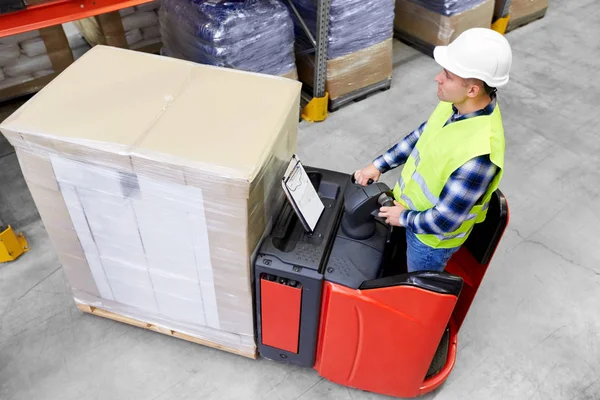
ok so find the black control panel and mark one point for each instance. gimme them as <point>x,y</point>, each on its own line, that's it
<point>346,247</point>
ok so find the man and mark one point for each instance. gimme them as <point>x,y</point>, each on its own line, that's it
<point>454,161</point>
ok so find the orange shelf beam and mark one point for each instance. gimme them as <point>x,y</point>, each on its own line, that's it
<point>58,12</point>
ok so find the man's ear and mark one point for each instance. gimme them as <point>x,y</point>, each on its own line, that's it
<point>474,90</point>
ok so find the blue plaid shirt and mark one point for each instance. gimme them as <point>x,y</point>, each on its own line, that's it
<point>460,193</point>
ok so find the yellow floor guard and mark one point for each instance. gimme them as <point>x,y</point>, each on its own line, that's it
<point>316,109</point>
<point>501,24</point>
<point>12,245</point>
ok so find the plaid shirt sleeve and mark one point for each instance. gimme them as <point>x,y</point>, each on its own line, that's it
<point>398,154</point>
<point>462,191</point>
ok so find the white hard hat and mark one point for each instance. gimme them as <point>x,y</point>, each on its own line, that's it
<point>477,53</point>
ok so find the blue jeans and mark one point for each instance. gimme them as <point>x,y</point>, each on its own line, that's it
<point>421,257</point>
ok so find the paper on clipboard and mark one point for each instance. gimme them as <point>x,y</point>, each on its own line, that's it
<point>302,194</point>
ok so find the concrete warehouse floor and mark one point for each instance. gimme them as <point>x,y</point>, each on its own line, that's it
<point>532,333</point>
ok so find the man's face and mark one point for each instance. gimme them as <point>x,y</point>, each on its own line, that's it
<point>452,88</point>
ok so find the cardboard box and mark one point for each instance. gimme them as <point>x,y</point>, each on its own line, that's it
<point>156,181</point>
<point>416,22</point>
<point>523,12</point>
<point>351,72</point>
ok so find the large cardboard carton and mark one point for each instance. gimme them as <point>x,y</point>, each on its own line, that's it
<point>417,23</point>
<point>155,179</point>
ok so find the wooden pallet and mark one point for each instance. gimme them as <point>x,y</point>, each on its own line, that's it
<point>525,20</point>
<point>416,43</point>
<point>359,94</point>
<point>353,97</point>
<point>169,332</point>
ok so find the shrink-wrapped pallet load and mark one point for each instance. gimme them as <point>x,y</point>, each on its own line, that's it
<point>359,53</point>
<point>430,23</point>
<point>155,179</point>
<point>252,35</point>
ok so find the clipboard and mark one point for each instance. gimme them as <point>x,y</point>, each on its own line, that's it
<point>302,195</point>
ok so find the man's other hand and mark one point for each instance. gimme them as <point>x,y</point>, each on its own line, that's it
<point>362,176</point>
<point>392,214</point>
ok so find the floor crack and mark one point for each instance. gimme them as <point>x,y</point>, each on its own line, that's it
<point>37,284</point>
<point>572,262</point>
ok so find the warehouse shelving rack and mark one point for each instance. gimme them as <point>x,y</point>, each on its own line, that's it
<point>316,97</point>
<point>501,16</point>
<point>18,17</point>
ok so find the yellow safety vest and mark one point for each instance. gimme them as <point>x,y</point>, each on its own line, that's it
<point>439,152</point>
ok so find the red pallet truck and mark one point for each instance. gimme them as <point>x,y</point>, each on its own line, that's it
<point>337,298</point>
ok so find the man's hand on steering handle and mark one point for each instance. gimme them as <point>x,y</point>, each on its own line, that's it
<point>362,176</point>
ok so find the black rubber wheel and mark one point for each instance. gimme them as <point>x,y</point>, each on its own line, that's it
<point>441,355</point>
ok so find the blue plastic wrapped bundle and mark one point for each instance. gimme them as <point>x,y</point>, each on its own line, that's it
<point>353,24</point>
<point>448,7</point>
<point>250,35</point>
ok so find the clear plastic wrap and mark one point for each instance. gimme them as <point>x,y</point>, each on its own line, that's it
<point>133,36</point>
<point>151,6</point>
<point>251,35</point>
<point>125,28</point>
<point>9,53</point>
<point>27,65</point>
<point>139,20</point>
<point>29,60</point>
<point>123,12</point>
<point>20,37</point>
<point>353,24</point>
<point>359,44</point>
<point>152,32</point>
<point>420,24</point>
<point>154,217</point>
<point>448,7</point>
<point>44,72</point>
<point>33,47</point>
<point>36,46</point>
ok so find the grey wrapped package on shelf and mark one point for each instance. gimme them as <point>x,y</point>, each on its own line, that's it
<point>359,42</point>
<point>353,24</point>
<point>252,35</point>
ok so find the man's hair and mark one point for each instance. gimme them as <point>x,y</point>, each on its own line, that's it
<point>486,88</point>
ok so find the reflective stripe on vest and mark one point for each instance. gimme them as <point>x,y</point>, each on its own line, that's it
<point>442,149</point>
